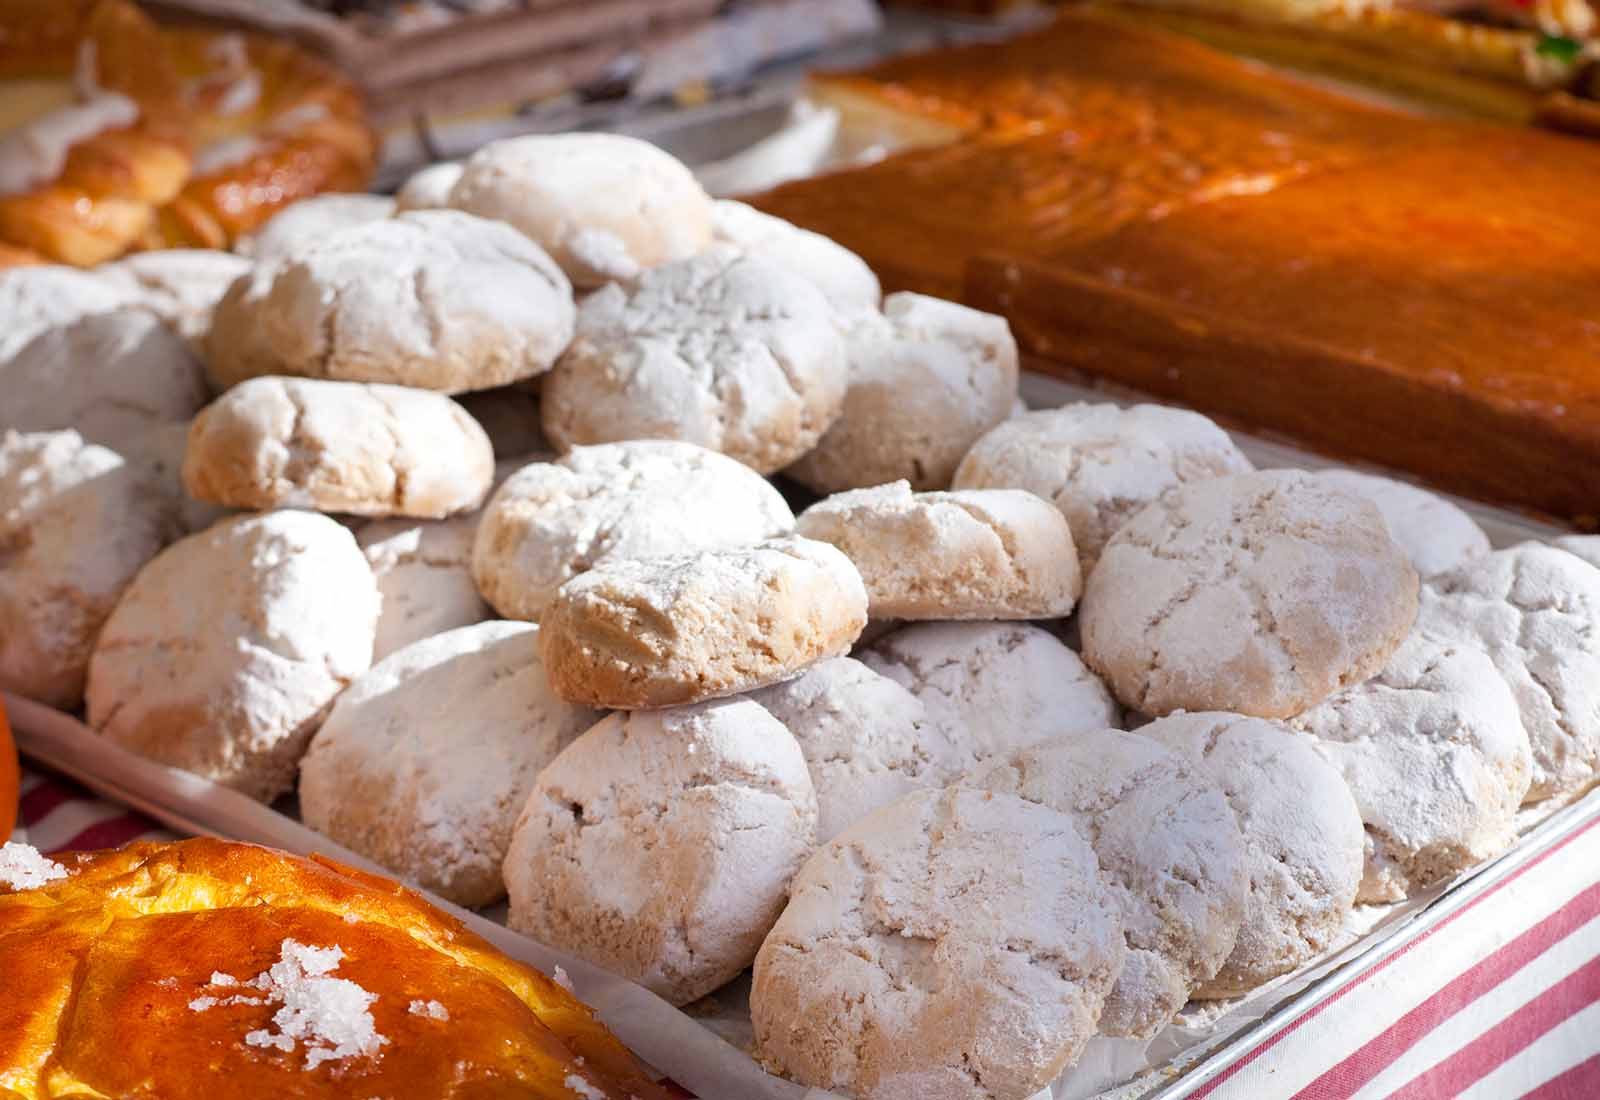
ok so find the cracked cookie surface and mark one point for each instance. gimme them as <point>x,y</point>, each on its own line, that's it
<point>842,276</point>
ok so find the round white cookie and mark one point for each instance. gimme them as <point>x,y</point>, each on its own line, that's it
<point>1536,611</point>
<point>111,377</point>
<point>605,206</point>
<point>424,574</point>
<point>354,447</point>
<point>1434,751</point>
<point>1435,534</point>
<point>76,524</point>
<point>975,554</point>
<point>41,296</point>
<point>734,354</point>
<point>927,379</point>
<point>996,687</point>
<point>1168,846</point>
<point>159,452</point>
<point>509,415</point>
<point>428,188</point>
<point>1586,547</point>
<point>842,276</point>
<point>955,944</point>
<point>1261,593</point>
<point>660,845</point>
<point>182,285</point>
<point>551,521</point>
<point>312,219</point>
<point>656,632</point>
<point>427,758</point>
<point>1100,463</point>
<point>223,655</point>
<point>1302,836</point>
<point>434,299</point>
<point>866,739</point>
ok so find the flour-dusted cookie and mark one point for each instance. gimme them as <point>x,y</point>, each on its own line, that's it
<point>656,632</point>
<point>434,299</point>
<point>552,520</point>
<point>428,188</point>
<point>974,554</point>
<point>996,687</point>
<point>605,206</point>
<point>223,655</point>
<point>366,449</point>
<point>1168,846</point>
<point>735,354</point>
<point>1100,463</point>
<point>1435,534</point>
<point>111,377</point>
<point>311,219</point>
<point>1536,611</point>
<point>955,944</point>
<point>159,453</point>
<point>509,415</point>
<point>39,297</point>
<point>1302,835</point>
<point>1260,593</point>
<point>427,758</point>
<point>1434,751</point>
<point>76,524</point>
<point>660,844</point>
<point>1586,547</point>
<point>927,379</point>
<point>182,285</point>
<point>866,739</point>
<point>842,276</point>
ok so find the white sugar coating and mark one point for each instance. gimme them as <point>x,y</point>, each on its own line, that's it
<point>1435,754</point>
<point>660,844</point>
<point>841,275</point>
<point>111,377</point>
<point>24,867</point>
<point>561,978</point>
<point>605,206</point>
<point>425,760</point>
<point>1536,611</point>
<point>1303,840</point>
<point>1169,849</point>
<point>583,1088</point>
<point>1100,463</point>
<point>927,379</point>
<point>312,219</point>
<point>955,944</point>
<point>866,739</point>
<point>159,452</point>
<point>995,687</point>
<point>1435,534</point>
<point>182,285</point>
<point>733,353</point>
<point>77,523</point>
<point>970,554</point>
<point>553,520</point>
<point>330,1016</point>
<point>435,299</point>
<point>1586,547</point>
<point>1261,593</point>
<point>37,297</point>
<point>223,655</point>
<point>428,188</point>
<point>433,1010</point>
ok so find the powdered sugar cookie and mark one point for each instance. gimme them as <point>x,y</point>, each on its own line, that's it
<point>424,574</point>
<point>39,297</point>
<point>1434,751</point>
<point>426,759</point>
<point>435,299</point>
<point>1168,846</point>
<point>551,521</point>
<point>1260,593</point>
<point>866,739</point>
<point>1302,836</point>
<point>159,453</point>
<point>365,449</point>
<point>605,206</point>
<point>223,655</point>
<point>1586,547</point>
<point>428,188</point>
<point>76,524</point>
<point>182,285</point>
<point>312,219</point>
<point>656,632</point>
<point>842,276</point>
<point>111,377</point>
<point>1435,534</point>
<point>927,378</point>
<point>997,687</point>
<point>734,354</point>
<point>1536,611</point>
<point>1099,463</point>
<point>955,944</point>
<point>660,845</point>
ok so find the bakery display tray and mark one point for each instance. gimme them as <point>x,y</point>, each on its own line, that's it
<point>693,1048</point>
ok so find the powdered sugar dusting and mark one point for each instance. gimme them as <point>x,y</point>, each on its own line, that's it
<point>561,978</point>
<point>433,1010</point>
<point>22,867</point>
<point>583,1088</point>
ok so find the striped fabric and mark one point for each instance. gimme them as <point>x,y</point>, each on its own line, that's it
<point>57,815</point>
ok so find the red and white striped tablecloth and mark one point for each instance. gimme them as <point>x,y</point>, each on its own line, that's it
<point>58,815</point>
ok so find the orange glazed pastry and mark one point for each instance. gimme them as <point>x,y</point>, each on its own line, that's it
<point>203,968</point>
